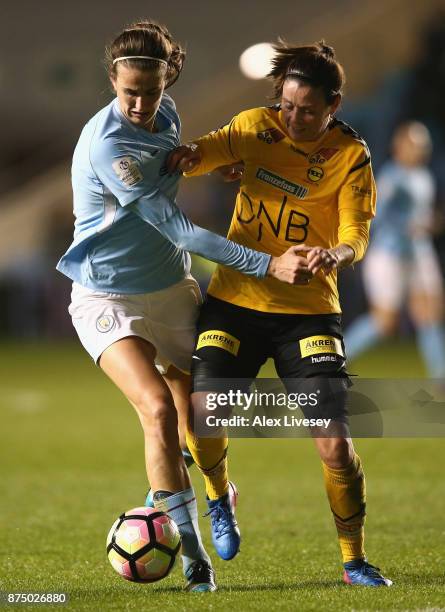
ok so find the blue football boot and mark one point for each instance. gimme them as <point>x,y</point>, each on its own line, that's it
<point>362,573</point>
<point>226,536</point>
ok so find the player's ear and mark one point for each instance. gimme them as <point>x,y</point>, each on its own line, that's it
<point>336,103</point>
<point>113,83</point>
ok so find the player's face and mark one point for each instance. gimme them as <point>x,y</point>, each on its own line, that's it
<point>304,110</point>
<point>412,144</point>
<point>139,93</point>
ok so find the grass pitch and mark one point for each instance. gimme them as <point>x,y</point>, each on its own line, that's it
<point>71,459</point>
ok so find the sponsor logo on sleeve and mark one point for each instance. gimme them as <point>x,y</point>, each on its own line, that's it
<point>363,192</point>
<point>128,171</point>
<point>299,191</point>
<point>270,136</point>
<point>219,339</point>
<point>314,345</point>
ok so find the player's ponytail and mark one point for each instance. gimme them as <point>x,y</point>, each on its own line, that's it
<point>146,45</point>
<point>314,64</point>
<point>175,63</point>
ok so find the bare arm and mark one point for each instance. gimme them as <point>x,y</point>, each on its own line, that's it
<point>328,260</point>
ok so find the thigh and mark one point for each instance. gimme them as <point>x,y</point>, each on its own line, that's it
<point>309,357</point>
<point>230,344</point>
<point>129,363</point>
<point>308,345</point>
<point>102,319</point>
<point>173,314</point>
<point>385,278</point>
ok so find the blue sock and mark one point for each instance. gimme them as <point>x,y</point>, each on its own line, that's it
<point>431,342</point>
<point>361,335</point>
<point>183,509</point>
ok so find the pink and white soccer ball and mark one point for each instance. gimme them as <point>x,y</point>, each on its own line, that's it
<point>143,544</point>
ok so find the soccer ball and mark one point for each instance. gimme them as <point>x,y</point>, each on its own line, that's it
<point>142,545</point>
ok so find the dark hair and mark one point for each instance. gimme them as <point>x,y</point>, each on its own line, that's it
<point>313,64</point>
<point>146,37</point>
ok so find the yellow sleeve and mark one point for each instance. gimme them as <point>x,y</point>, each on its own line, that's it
<point>219,148</point>
<point>358,192</point>
<point>353,230</point>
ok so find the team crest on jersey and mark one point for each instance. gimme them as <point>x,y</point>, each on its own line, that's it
<point>322,155</point>
<point>128,170</point>
<point>270,136</point>
<point>315,174</point>
<point>105,323</point>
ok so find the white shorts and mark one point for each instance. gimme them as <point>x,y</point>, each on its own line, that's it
<point>389,279</point>
<point>166,319</point>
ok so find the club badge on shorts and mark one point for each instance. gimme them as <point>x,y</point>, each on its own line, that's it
<point>105,323</point>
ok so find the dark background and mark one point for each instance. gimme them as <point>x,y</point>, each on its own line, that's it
<point>53,80</point>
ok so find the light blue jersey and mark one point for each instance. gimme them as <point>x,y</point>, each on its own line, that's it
<point>404,208</point>
<point>130,237</point>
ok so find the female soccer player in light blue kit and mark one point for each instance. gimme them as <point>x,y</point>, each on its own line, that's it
<point>134,303</point>
<point>401,262</point>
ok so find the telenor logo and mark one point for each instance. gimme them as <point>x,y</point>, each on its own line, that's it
<point>219,339</point>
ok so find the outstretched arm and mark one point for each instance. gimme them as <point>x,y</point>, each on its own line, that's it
<point>173,224</point>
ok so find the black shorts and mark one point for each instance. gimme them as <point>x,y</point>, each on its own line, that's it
<point>234,342</point>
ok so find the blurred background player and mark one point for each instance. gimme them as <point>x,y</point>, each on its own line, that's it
<point>402,267</point>
<point>307,180</point>
<point>134,304</point>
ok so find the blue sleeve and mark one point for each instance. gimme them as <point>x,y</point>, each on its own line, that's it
<point>119,166</point>
<point>173,224</point>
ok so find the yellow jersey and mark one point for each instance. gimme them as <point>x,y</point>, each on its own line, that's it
<point>319,193</point>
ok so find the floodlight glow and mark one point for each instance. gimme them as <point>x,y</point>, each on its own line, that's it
<point>255,61</point>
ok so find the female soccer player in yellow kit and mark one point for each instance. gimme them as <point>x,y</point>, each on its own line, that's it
<point>307,181</point>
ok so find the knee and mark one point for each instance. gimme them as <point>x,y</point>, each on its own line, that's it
<point>203,403</point>
<point>202,406</point>
<point>386,322</point>
<point>336,453</point>
<point>156,413</point>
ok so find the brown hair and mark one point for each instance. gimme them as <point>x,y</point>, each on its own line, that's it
<point>313,64</point>
<point>146,37</point>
